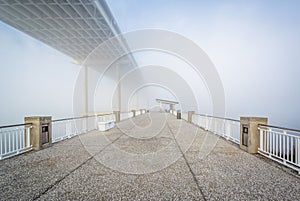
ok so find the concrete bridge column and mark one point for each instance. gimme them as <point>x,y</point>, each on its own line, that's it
<point>171,107</point>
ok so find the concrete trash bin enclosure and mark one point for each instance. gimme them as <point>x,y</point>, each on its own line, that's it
<point>249,133</point>
<point>41,131</point>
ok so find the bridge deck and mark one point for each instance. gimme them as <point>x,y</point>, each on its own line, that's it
<point>145,159</point>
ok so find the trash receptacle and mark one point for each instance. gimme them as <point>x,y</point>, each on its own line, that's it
<point>45,133</point>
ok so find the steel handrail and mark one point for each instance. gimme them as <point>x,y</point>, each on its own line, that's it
<point>73,118</point>
<point>224,118</point>
<point>16,125</point>
<point>277,127</point>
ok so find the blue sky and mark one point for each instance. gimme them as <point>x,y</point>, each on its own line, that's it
<point>254,45</point>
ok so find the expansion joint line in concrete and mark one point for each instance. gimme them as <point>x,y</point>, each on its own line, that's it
<point>80,165</point>
<point>190,169</point>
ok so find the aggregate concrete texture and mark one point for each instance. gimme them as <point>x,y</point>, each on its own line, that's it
<point>149,157</point>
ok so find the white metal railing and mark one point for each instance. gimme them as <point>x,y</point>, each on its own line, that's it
<point>225,127</point>
<point>281,145</point>
<point>137,113</point>
<point>14,140</point>
<point>175,112</point>
<point>67,128</point>
<point>126,115</point>
<point>184,116</point>
<point>106,118</point>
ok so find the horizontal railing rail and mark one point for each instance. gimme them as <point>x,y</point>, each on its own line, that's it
<point>14,140</point>
<point>73,118</point>
<point>15,125</point>
<point>280,144</point>
<point>69,127</point>
<point>229,119</point>
<point>225,127</point>
<point>277,127</point>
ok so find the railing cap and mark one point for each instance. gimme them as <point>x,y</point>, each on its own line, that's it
<point>278,127</point>
<point>15,125</point>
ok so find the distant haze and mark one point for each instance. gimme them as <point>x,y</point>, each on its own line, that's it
<point>254,45</point>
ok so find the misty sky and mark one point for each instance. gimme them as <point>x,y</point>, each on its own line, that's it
<point>254,45</point>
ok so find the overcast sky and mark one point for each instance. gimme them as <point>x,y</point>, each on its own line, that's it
<point>254,45</point>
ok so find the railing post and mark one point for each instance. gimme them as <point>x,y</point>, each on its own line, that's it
<point>287,146</point>
<point>228,129</point>
<point>249,133</point>
<point>261,139</point>
<point>84,124</point>
<point>1,146</point>
<point>206,122</point>
<point>68,128</point>
<point>190,116</point>
<point>117,115</point>
<point>27,137</point>
<point>298,151</point>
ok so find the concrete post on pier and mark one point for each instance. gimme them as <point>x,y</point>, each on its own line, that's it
<point>117,115</point>
<point>41,131</point>
<point>141,111</point>
<point>171,106</point>
<point>249,133</point>
<point>190,116</point>
<point>133,111</point>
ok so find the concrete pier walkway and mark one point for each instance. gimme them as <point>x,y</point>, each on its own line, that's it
<point>149,157</point>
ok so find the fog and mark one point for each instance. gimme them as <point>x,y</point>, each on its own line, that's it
<point>254,46</point>
<point>35,79</point>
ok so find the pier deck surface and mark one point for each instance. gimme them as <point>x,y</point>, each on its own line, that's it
<point>149,157</point>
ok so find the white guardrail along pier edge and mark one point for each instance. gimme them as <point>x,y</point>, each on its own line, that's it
<point>67,128</point>
<point>281,145</point>
<point>277,143</point>
<point>227,128</point>
<point>14,140</point>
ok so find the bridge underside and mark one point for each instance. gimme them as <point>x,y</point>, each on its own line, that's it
<point>75,28</point>
<point>145,159</point>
